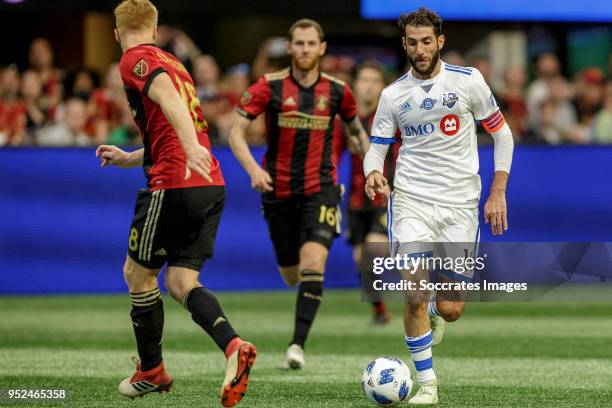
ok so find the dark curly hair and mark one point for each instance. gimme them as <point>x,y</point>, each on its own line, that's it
<point>423,17</point>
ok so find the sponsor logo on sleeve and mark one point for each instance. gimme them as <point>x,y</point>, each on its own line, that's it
<point>141,69</point>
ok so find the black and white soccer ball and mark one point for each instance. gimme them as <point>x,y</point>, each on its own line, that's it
<point>386,381</point>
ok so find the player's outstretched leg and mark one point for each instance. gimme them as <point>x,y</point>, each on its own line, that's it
<point>207,313</point>
<point>418,340</point>
<point>313,256</point>
<point>148,321</point>
<point>309,298</point>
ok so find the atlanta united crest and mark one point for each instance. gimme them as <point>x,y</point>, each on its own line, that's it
<point>321,103</point>
<point>246,98</point>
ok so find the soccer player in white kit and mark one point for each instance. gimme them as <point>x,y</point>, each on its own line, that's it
<point>436,193</point>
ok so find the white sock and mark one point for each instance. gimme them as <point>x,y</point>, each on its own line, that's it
<point>420,349</point>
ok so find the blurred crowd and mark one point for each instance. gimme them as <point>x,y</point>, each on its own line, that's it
<point>44,105</point>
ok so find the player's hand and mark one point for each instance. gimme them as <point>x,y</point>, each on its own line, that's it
<point>386,192</point>
<point>109,154</point>
<point>261,180</point>
<point>198,160</point>
<point>496,213</point>
<point>375,183</point>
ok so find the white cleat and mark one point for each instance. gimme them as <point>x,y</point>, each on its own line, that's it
<point>426,395</point>
<point>437,324</point>
<point>295,357</point>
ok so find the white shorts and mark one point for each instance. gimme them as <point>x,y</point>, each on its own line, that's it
<point>419,227</point>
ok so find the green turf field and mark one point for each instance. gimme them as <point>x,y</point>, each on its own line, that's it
<point>496,355</point>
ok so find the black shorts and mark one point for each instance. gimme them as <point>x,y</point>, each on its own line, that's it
<point>177,226</point>
<point>363,222</point>
<point>306,218</point>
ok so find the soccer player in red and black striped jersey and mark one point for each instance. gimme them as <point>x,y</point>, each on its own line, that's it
<point>298,178</point>
<point>367,219</point>
<point>176,217</point>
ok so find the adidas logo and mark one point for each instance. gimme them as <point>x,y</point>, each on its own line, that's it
<point>311,296</point>
<point>405,107</point>
<point>219,320</point>
<point>142,386</point>
<point>289,101</point>
<point>161,252</point>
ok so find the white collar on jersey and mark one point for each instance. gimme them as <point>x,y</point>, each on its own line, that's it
<point>422,81</point>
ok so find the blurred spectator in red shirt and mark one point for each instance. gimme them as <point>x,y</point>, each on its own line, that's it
<point>107,110</point>
<point>41,61</point>
<point>69,132</point>
<point>589,94</point>
<point>339,66</point>
<point>512,101</point>
<point>12,109</point>
<point>233,84</point>
<point>31,93</point>
<point>601,129</point>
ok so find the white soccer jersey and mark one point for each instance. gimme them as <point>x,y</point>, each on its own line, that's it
<point>438,159</point>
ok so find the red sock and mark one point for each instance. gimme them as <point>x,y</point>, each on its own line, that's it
<point>380,307</point>
<point>232,346</point>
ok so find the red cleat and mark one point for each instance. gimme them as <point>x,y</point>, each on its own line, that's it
<point>239,365</point>
<point>382,316</point>
<point>143,382</point>
<point>381,319</point>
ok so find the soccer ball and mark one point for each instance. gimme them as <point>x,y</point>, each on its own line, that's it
<point>386,381</point>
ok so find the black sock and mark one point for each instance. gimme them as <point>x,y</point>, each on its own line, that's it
<point>148,322</point>
<point>309,298</point>
<point>206,312</point>
<point>369,251</point>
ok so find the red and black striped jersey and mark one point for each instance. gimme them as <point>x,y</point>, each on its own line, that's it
<point>299,126</point>
<point>164,159</point>
<point>358,200</point>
